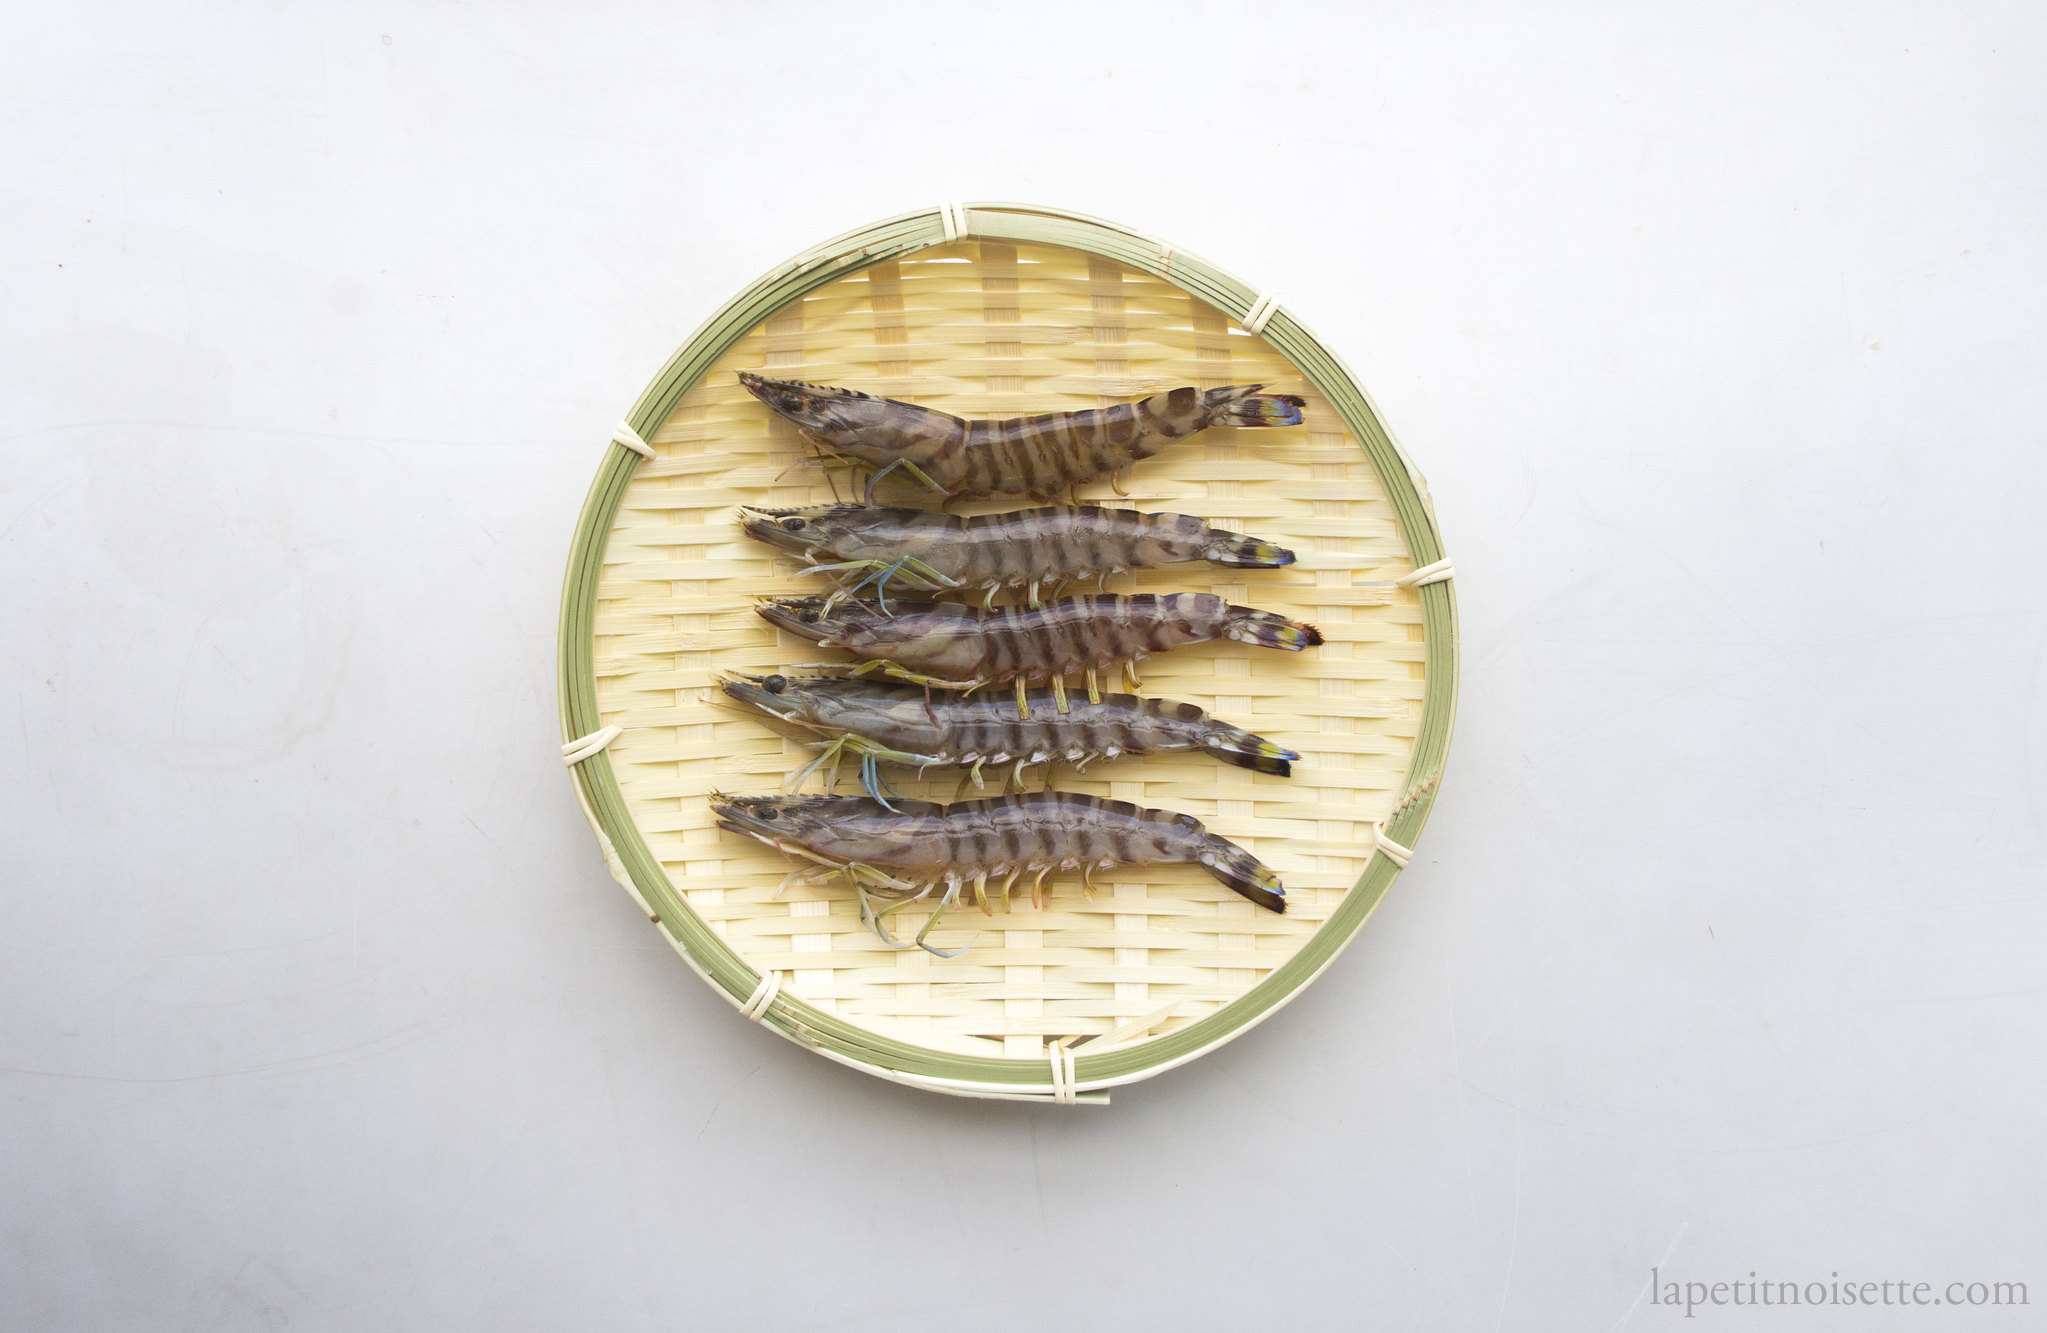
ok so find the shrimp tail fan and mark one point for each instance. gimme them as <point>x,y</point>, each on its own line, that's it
<point>1243,405</point>
<point>1243,872</point>
<point>1234,745</point>
<point>1266,630</point>
<point>1247,552</point>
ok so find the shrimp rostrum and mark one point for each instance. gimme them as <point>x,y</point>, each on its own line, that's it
<point>902,855</point>
<point>1041,455</point>
<point>925,551</point>
<point>895,724</point>
<point>950,646</point>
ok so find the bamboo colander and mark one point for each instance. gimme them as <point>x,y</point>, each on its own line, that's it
<point>1002,310</point>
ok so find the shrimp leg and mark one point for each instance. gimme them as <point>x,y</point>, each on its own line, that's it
<point>909,467</point>
<point>951,895</point>
<point>837,459</point>
<point>918,569</point>
<point>877,921</point>
<point>832,751</point>
<point>888,668</point>
<point>880,581</point>
<point>1037,885</point>
<point>875,785</point>
<point>923,569</point>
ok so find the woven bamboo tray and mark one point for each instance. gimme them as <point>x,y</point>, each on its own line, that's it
<point>997,310</point>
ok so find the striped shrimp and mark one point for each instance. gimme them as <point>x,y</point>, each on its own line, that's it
<point>905,852</point>
<point>950,646</point>
<point>1041,455</point>
<point>933,552</point>
<point>890,722</point>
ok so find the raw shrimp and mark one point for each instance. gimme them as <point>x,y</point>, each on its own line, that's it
<point>925,551</point>
<point>905,852</point>
<point>890,722</point>
<point>947,645</point>
<point>1041,455</point>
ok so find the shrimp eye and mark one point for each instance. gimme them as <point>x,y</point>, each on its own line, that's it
<point>775,684</point>
<point>792,525</point>
<point>765,812</point>
<point>807,617</point>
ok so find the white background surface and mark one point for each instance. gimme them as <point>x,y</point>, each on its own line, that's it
<point>1717,331</point>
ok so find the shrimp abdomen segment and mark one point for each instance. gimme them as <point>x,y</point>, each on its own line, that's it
<point>1057,449</point>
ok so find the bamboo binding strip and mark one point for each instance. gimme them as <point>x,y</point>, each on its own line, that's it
<point>1260,313</point>
<point>576,751</point>
<point>1037,311</point>
<point>756,1006</point>
<point>624,434</point>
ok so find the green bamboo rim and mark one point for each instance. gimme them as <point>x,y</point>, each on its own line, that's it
<point>598,788</point>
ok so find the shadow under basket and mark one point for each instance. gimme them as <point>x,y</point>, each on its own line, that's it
<point>993,311</point>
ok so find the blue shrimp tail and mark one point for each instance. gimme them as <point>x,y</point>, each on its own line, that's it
<point>1234,745</point>
<point>1266,630</point>
<point>1243,872</point>
<point>1242,552</point>
<point>1243,405</point>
